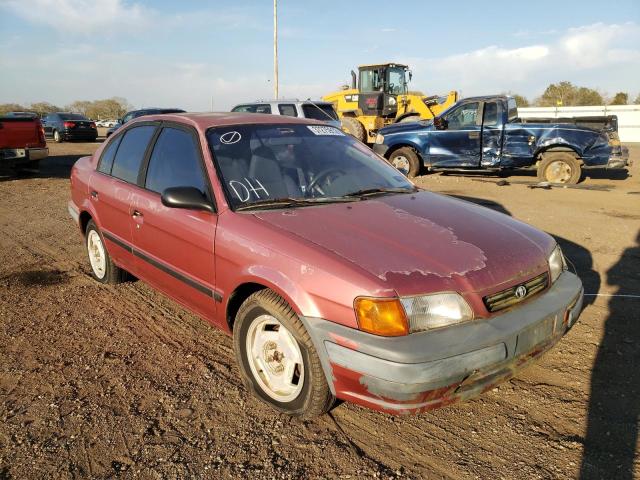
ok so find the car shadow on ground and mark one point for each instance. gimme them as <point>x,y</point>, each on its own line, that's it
<point>530,176</point>
<point>614,402</point>
<point>54,166</point>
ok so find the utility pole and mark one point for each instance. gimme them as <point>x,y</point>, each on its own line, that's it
<point>275,48</point>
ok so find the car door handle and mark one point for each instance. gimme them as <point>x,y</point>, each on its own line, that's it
<point>474,134</point>
<point>136,214</point>
<point>94,194</point>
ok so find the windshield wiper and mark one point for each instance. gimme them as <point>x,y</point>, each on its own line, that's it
<point>288,202</point>
<point>379,191</point>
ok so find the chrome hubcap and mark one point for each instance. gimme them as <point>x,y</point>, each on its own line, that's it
<point>275,359</point>
<point>97,256</point>
<point>401,163</point>
<point>558,172</point>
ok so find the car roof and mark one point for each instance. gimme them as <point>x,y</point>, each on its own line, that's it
<point>289,101</point>
<point>204,120</point>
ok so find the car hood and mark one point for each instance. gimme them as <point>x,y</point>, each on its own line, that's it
<point>422,242</point>
<point>407,127</point>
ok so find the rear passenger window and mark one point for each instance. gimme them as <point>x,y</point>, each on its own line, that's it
<point>106,160</point>
<point>175,162</point>
<point>131,152</point>
<point>287,109</point>
<point>263,109</point>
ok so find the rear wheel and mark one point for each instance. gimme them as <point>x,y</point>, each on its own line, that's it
<point>406,160</point>
<point>102,267</point>
<point>559,167</point>
<point>354,128</point>
<point>57,137</point>
<point>410,118</point>
<point>277,359</point>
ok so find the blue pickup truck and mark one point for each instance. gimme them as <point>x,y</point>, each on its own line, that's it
<point>485,134</point>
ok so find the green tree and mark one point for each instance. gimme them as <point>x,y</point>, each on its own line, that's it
<point>521,101</point>
<point>43,108</point>
<point>79,106</point>
<point>620,98</point>
<point>11,107</point>
<point>567,94</point>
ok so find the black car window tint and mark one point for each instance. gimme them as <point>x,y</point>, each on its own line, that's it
<point>106,160</point>
<point>175,162</point>
<point>131,152</point>
<point>288,109</point>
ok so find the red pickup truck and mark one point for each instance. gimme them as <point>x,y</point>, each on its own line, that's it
<point>22,141</point>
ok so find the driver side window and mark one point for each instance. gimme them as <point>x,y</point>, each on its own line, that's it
<point>464,116</point>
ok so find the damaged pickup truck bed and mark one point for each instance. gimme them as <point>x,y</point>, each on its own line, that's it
<point>485,133</point>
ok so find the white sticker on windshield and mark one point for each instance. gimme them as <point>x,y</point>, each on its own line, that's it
<point>318,130</point>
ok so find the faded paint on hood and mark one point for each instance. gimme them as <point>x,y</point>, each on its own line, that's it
<point>417,243</point>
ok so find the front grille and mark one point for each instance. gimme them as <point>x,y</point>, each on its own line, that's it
<point>507,298</point>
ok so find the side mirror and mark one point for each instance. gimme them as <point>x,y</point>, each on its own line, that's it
<point>186,197</point>
<point>410,75</point>
<point>440,123</point>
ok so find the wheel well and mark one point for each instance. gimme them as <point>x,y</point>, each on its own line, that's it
<point>237,298</point>
<point>84,220</point>
<point>389,152</point>
<point>558,148</point>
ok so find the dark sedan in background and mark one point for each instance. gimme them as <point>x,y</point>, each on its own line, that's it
<point>69,126</point>
<point>139,113</point>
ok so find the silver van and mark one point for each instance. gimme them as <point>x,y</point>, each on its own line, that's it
<point>316,110</point>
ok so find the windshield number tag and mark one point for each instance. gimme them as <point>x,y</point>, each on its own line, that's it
<point>331,131</point>
<point>243,192</point>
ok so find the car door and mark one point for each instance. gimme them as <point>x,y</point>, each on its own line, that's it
<point>111,190</point>
<point>459,143</point>
<point>174,246</point>
<point>492,133</point>
<point>46,125</point>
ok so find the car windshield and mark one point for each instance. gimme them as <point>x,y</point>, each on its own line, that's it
<point>72,116</point>
<point>263,166</point>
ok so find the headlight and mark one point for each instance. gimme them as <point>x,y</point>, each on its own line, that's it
<point>557,263</point>
<point>379,138</point>
<point>392,317</point>
<point>433,311</point>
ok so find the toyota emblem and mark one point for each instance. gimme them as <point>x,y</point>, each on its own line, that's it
<point>521,291</point>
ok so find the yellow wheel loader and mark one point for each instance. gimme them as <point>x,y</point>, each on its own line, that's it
<point>382,97</point>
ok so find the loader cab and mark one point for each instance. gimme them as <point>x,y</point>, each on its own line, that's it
<point>379,87</point>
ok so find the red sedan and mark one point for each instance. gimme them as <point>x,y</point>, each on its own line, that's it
<point>336,276</point>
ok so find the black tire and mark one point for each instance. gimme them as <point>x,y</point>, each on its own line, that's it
<point>112,274</point>
<point>559,167</point>
<point>354,128</point>
<point>57,137</point>
<point>315,397</point>
<point>406,160</point>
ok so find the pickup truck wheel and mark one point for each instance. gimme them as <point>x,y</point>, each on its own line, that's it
<point>406,160</point>
<point>559,167</point>
<point>102,267</point>
<point>354,128</point>
<point>57,137</point>
<point>277,359</point>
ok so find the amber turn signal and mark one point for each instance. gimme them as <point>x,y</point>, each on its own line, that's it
<point>381,316</point>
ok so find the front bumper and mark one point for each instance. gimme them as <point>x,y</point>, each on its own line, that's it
<point>427,370</point>
<point>88,134</point>
<point>381,149</point>
<point>17,156</point>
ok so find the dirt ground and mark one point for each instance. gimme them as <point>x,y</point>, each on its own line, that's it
<point>101,382</point>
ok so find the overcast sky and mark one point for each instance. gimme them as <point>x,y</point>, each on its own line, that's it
<point>184,53</point>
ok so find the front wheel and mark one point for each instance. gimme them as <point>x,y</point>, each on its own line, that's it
<point>559,167</point>
<point>277,359</point>
<point>354,128</point>
<point>406,160</point>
